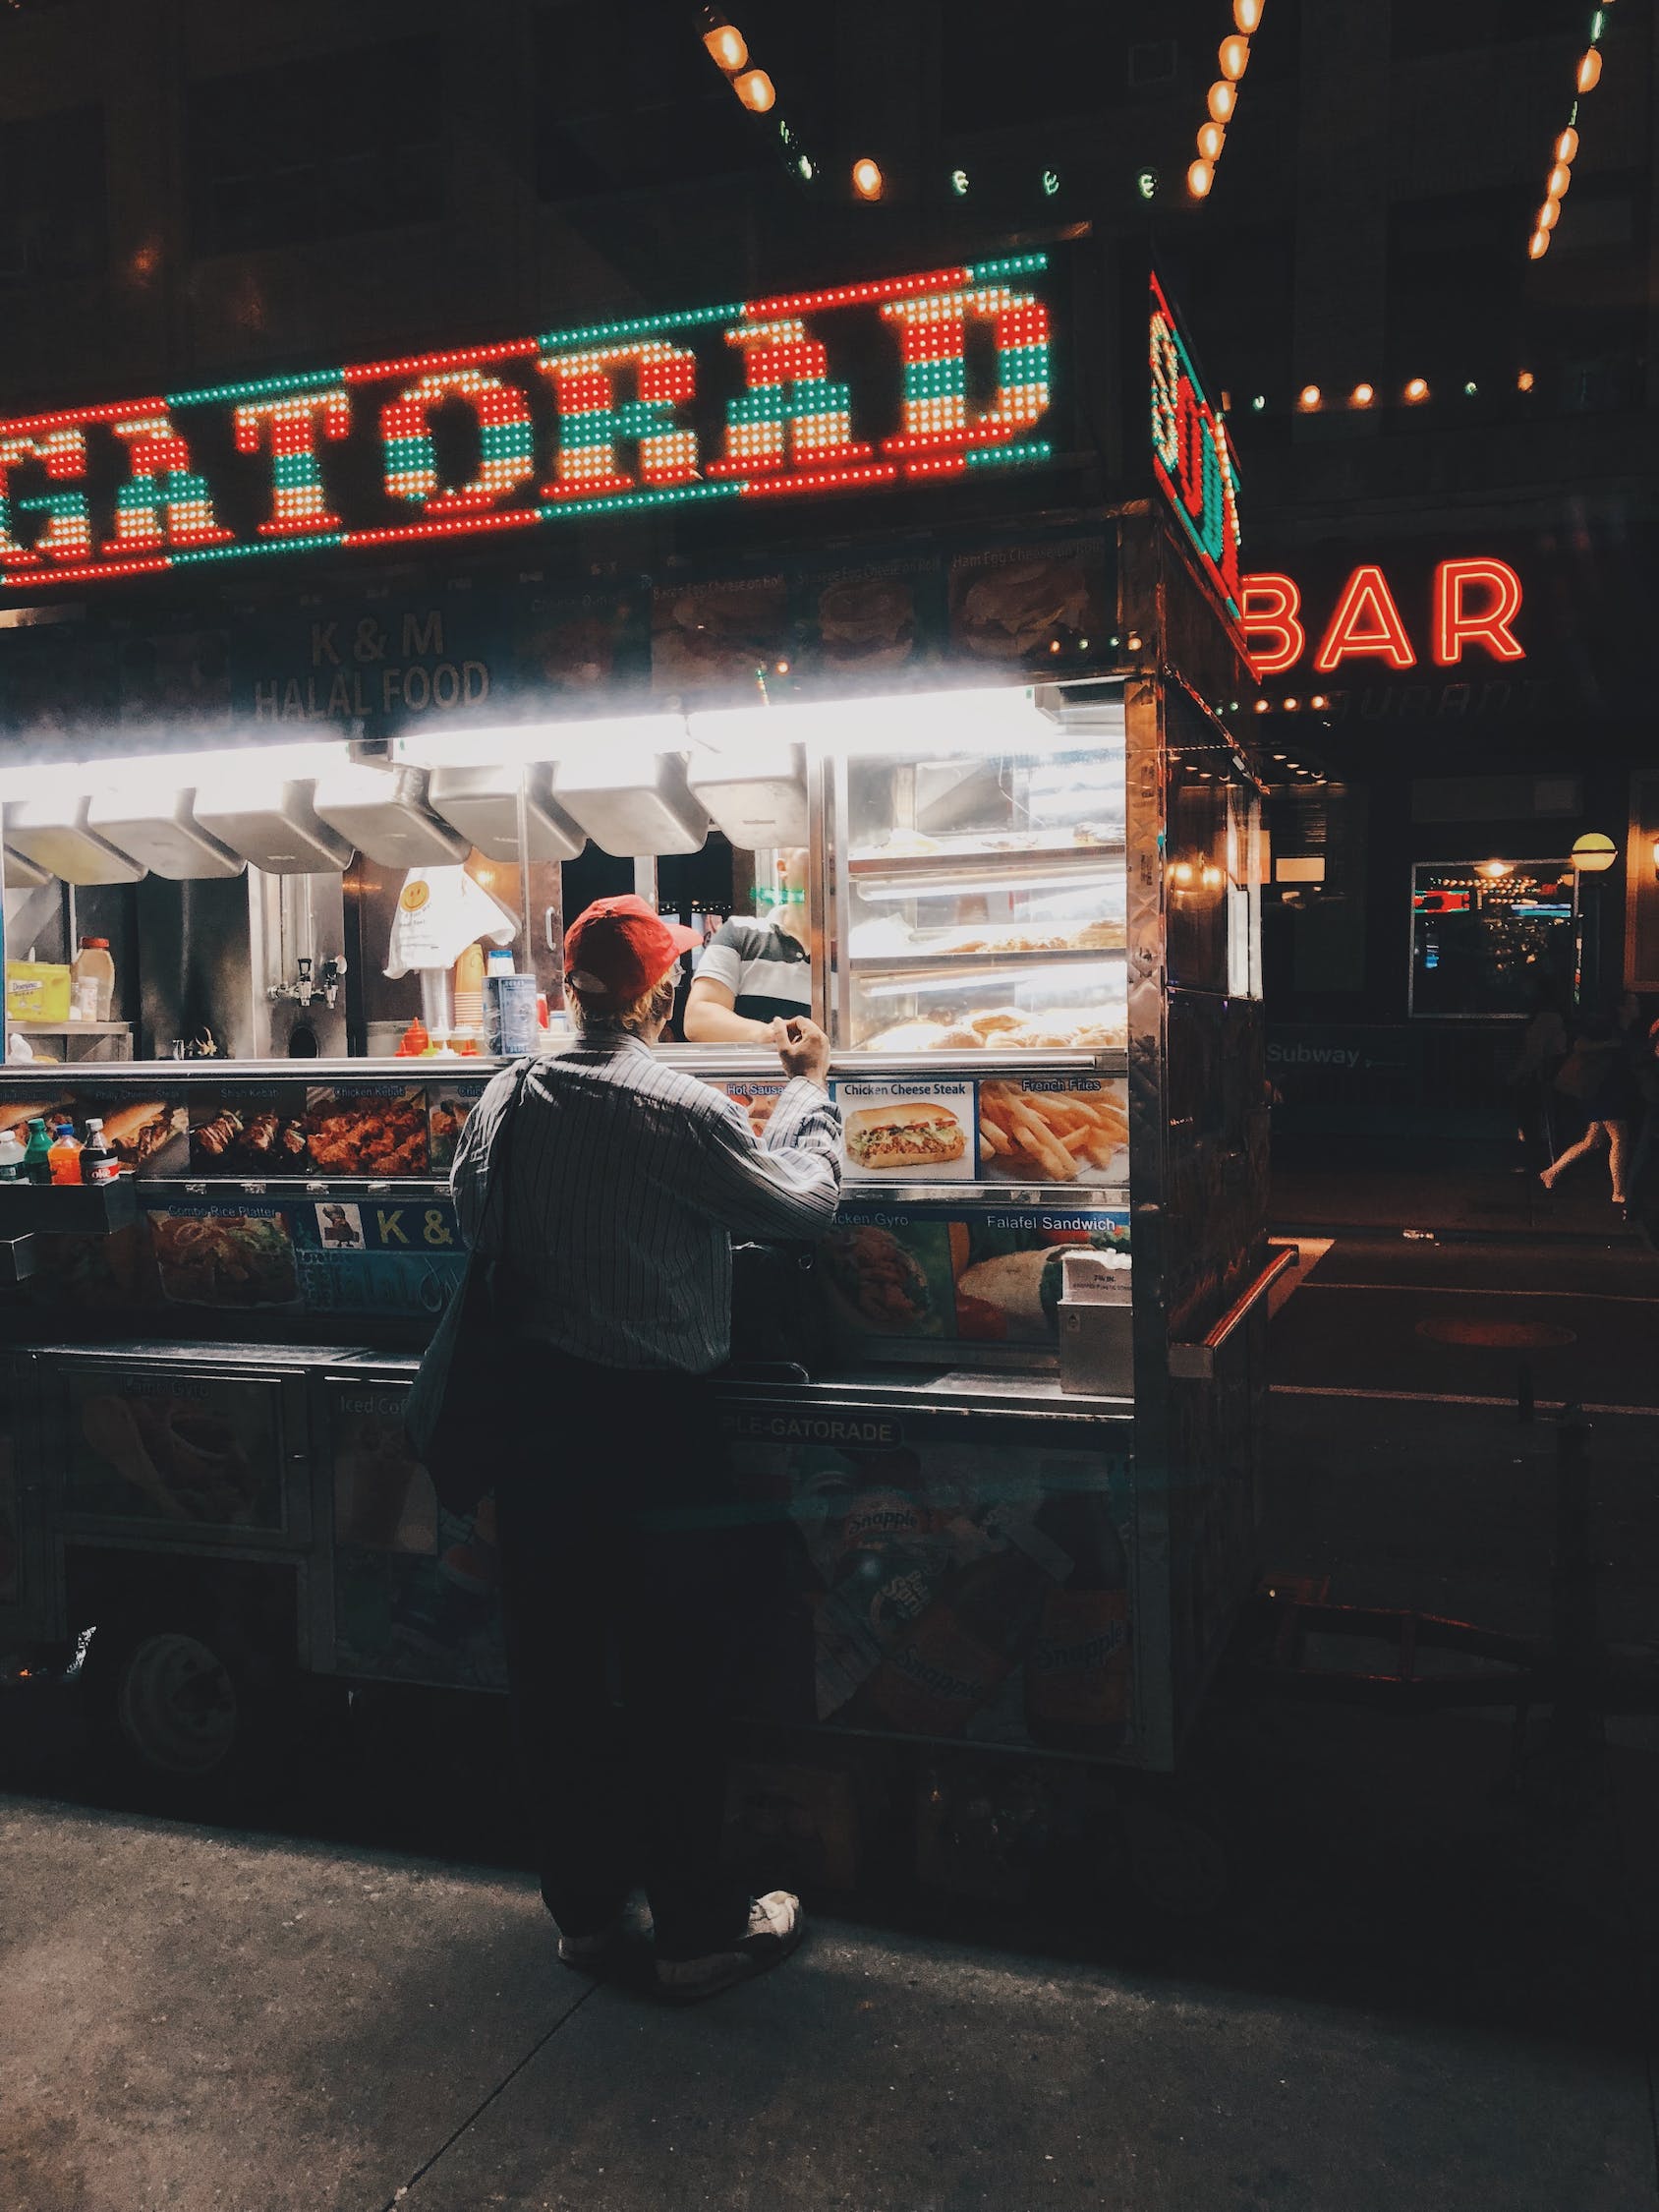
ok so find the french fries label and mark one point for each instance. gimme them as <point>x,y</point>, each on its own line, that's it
<point>1054,1129</point>
<point>915,1131</point>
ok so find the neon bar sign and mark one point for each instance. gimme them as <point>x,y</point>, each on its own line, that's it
<point>1471,603</point>
<point>534,431</point>
<point>1190,455</point>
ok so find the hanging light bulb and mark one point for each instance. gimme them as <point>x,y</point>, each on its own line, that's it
<point>1558,180</point>
<point>867,178</point>
<point>1567,146</point>
<point>1417,390</point>
<point>1526,381</point>
<point>1200,176</point>
<point>1589,69</point>
<point>1247,14</point>
<point>727,48</point>
<point>1549,215</point>
<point>1307,399</point>
<point>1233,57</point>
<point>1538,245</point>
<point>1211,138</point>
<point>756,89</point>
<point>1222,100</point>
<point>1363,394</point>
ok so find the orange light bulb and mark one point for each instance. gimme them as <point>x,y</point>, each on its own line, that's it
<point>1307,399</point>
<point>1211,138</point>
<point>1200,176</point>
<point>1589,69</point>
<point>1247,14</point>
<point>1538,245</point>
<point>1526,381</point>
<point>726,46</point>
<point>1567,146</point>
<point>1363,394</point>
<point>1233,57</point>
<point>1549,215</point>
<point>867,179</point>
<point>1417,389</point>
<point>1558,180</point>
<point>1222,100</point>
<point>756,89</point>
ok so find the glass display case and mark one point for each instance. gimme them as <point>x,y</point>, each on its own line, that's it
<point>980,891</point>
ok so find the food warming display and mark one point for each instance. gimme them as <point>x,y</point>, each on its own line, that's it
<point>983,886</point>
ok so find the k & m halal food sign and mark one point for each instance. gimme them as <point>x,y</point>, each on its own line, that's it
<point>913,379</point>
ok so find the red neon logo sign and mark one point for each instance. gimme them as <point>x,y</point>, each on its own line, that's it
<point>1190,455</point>
<point>1474,602</point>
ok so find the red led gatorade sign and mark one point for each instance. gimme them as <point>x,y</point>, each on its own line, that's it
<point>753,399</point>
<point>1190,455</point>
<point>1472,603</point>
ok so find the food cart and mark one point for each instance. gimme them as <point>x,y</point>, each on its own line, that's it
<point>979,664</point>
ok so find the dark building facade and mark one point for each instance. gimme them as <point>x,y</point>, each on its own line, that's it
<point>195,193</point>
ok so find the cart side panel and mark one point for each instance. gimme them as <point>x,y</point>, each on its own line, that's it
<point>31,1587</point>
<point>941,1576</point>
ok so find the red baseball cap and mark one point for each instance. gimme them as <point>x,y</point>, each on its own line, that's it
<point>617,949</point>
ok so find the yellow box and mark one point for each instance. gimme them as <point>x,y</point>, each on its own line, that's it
<point>36,991</point>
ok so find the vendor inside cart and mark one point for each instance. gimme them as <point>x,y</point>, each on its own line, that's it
<point>755,975</point>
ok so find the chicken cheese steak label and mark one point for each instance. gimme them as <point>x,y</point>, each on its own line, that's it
<point>921,1132</point>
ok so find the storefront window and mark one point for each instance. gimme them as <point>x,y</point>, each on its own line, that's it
<point>1489,937</point>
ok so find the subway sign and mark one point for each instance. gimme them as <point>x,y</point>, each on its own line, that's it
<point>1191,459</point>
<point>910,380</point>
<point>1472,606</point>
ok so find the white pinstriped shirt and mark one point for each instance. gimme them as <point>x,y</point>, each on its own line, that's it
<point>628,1180</point>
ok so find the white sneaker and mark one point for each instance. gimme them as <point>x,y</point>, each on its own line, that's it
<point>777,1925</point>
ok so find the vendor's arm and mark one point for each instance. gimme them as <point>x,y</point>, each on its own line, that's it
<point>712,1017</point>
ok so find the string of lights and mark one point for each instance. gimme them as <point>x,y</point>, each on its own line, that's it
<point>1232,59</point>
<point>1414,391</point>
<point>1586,76</point>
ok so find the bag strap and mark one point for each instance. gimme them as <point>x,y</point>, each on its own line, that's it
<point>501,1150</point>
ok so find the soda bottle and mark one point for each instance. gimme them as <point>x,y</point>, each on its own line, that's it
<point>64,1156</point>
<point>1077,1671</point>
<point>98,1163</point>
<point>37,1153</point>
<point>951,1660</point>
<point>11,1156</point>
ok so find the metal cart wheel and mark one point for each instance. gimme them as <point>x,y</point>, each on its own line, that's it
<point>176,1705</point>
<point>179,1706</point>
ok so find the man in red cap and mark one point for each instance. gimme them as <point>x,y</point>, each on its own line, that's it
<point>626,1180</point>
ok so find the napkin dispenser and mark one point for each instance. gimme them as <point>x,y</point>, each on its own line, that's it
<point>1096,1317</point>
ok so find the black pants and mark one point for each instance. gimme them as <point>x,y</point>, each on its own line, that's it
<point>618,1545</point>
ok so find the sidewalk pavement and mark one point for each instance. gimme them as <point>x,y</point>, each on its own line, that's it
<point>1482,1195</point>
<point>202,2022</point>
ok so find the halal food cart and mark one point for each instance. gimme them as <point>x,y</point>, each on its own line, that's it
<point>931,577</point>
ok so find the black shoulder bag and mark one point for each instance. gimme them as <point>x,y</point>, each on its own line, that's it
<point>468,1370</point>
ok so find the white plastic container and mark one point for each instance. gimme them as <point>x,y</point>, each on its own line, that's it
<point>632,805</point>
<point>756,793</point>
<point>383,813</point>
<point>54,833</point>
<point>160,828</point>
<point>271,821</point>
<point>482,802</point>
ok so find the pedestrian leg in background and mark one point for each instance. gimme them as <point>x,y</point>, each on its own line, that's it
<point>1593,1138</point>
<point>1619,1149</point>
